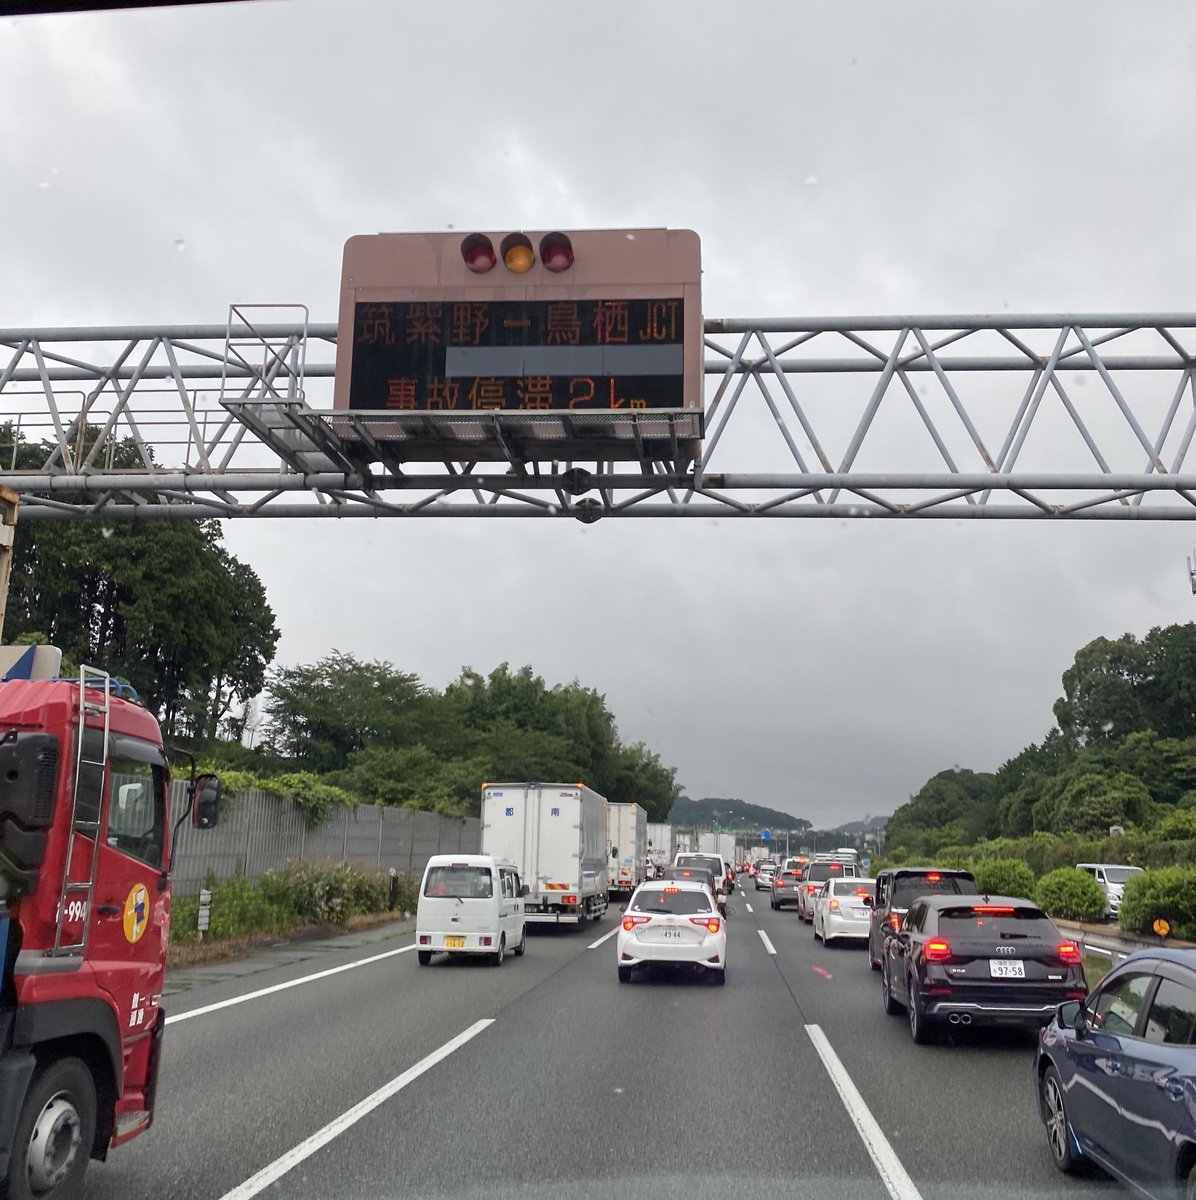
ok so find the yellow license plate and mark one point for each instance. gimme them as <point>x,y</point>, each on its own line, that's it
<point>454,943</point>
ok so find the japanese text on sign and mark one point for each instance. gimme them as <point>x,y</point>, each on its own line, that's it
<point>432,356</point>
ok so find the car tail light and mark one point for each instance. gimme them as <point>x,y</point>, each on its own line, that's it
<point>713,924</point>
<point>934,877</point>
<point>811,888</point>
<point>486,941</point>
<point>1069,953</point>
<point>570,899</point>
<point>629,923</point>
<point>894,921</point>
<point>862,892</point>
<point>937,951</point>
<point>993,910</point>
<point>833,905</point>
<point>425,939</point>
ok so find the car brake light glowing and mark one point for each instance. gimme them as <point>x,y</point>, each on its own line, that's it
<point>934,877</point>
<point>1069,952</point>
<point>570,899</point>
<point>835,867</point>
<point>993,909</point>
<point>629,922</point>
<point>671,891</point>
<point>894,921</point>
<point>811,888</point>
<point>862,892</point>
<point>937,951</point>
<point>713,924</point>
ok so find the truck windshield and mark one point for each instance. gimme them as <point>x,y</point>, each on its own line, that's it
<point>462,883</point>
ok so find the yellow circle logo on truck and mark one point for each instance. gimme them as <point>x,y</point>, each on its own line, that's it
<point>136,913</point>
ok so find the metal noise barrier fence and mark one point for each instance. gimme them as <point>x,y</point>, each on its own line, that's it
<point>260,832</point>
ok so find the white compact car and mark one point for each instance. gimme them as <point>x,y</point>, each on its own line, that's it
<point>672,921</point>
<point>840,911</point>
<point>470,904</point>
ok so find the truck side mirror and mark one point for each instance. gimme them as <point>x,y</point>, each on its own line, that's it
<point>614,852</point>
<point>205,802</point>
<point>868,901</point>
<point>525,890</point>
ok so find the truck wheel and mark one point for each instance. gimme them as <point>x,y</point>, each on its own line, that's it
<point>53,1135</point>
<point>500,953</point>
<point>423,957</point>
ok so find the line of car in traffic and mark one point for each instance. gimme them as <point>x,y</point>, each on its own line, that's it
<point>1114,1067</point>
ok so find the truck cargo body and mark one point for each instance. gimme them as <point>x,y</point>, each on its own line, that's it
<point>556,835</point>
<point>627,826</point>
<point>660,842</point>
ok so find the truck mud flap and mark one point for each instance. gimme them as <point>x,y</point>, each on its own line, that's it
<point>155,1061</point>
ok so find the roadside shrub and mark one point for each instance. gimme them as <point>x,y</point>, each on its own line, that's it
<point>1004,877</point>
<point>1071,894</point>
<point>326,893</point>
<point>1169,893</point>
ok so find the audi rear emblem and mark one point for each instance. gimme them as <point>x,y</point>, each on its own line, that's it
<point>1006,949</point>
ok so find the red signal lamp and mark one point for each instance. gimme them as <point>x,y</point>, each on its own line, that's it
<point>517,253</point>
<point>556,252</point>
<point>478,252</point>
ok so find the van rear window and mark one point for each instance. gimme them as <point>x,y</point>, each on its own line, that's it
<point>683,901</point>
<point>463,883</point>
<point>908,888</point>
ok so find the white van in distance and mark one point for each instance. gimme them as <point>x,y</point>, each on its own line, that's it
<point>470,904</point>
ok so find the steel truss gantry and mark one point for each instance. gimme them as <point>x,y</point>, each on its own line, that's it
<point>1085,416</point>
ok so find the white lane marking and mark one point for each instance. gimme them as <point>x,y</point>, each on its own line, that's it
<point>893,1175</point>
<point>767,944</point>
<point>604,938</point>
<point>282,987</point>
<point>749,908</point>
<point>306,1148</point>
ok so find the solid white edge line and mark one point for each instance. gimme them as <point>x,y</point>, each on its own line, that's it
<point>893,1175</point>
<point>306,1148</point>
<point>749,908</point>
<point>604,938</point>
<point>282,987</point>
<point>767,944</point>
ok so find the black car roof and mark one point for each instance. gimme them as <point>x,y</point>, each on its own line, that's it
<point>953,871</point>
<point>984,901</point>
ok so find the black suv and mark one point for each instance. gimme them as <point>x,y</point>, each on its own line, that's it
<point>971,959</point>
<point>896,890</point>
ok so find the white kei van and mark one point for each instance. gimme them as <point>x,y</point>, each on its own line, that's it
<point>470,904</point>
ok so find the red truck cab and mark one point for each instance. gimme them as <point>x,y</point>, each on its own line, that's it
<point>85,838</point>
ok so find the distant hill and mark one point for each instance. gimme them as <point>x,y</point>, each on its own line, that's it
<point>731,814</point>
<point>868,826</point>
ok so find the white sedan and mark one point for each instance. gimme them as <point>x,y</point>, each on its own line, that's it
<point>672,921</point>
<point>839,909</point>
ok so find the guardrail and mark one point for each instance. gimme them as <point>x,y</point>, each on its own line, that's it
<point>1112,942</point>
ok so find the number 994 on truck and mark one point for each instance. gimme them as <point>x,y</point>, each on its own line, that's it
<point>85,859</point>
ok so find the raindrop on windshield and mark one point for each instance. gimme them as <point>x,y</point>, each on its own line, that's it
<point>811,181</point>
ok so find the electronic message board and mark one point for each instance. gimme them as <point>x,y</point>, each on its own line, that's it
<point>445,336</point>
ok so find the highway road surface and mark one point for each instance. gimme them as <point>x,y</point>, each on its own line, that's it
<point>343,1069</point>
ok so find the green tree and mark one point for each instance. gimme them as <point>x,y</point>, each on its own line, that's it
<point>1170,690</point>
<point>1103,693</point>
<point>323,712</point>
<point>1092,802</point>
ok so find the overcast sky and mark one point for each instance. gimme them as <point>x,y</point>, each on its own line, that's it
<point>836,159</point>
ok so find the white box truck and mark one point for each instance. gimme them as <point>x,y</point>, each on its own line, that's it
<point>627,832</point>
<point>555,834</point>
<point>660,842</point>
